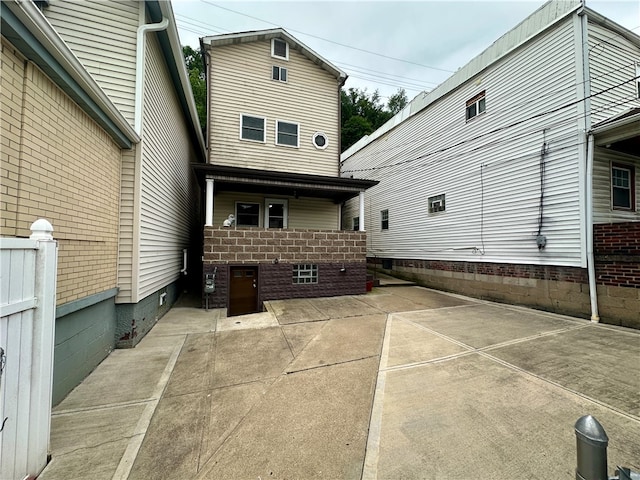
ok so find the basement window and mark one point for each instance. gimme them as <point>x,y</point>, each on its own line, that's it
<point>305,274</point>
<point>476,106</point>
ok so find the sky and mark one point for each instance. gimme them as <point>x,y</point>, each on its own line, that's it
<point>382,45</point>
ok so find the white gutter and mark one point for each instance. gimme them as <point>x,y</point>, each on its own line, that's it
<point>29,14</point>
<point>591,268</point>
<point>142,29</point>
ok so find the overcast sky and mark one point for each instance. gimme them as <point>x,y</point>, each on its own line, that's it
<point>382,45</point>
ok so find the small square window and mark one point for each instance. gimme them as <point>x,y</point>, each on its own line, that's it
<point>436,203</point>
<point>384,219</point>
<point>476,105</point>
<point>305,273</point>
<point>252,128</point>
<point>279,73</point>
<point>280,49</point>
<point>286,134</point>
<point>623,187</point>
<point>356,223</point>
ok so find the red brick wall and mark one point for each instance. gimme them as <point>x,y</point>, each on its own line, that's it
<point>617,254</point>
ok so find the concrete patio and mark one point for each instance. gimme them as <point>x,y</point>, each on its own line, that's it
<point>403,382</point>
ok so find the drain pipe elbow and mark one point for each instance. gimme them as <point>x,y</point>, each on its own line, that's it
<point>591,268</point>
<point>142,30</point>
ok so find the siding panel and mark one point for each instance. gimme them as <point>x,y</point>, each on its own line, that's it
<point>488,167</point>
<point>241,83</point>
<point>106,48</point>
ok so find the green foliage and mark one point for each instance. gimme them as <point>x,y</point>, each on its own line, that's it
<point>195,68</point>
<point>362,113</point>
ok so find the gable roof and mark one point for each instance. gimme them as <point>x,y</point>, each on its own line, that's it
<point>281,33</point>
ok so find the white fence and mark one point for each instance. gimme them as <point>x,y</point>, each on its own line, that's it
<point>27,307</point>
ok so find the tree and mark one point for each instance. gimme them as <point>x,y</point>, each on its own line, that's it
<point>362,113</point>
<point>195,68</point>
<point>397,101</point>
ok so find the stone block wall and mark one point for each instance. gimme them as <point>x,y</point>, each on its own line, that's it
<point>275,251</point>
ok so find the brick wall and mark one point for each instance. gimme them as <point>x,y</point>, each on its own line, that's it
<point>276,251</point>
<point>58,164</point>
<point>617,251</point>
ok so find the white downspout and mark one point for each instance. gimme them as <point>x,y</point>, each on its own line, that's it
<point>361,222</point>
<point>208,217</point>
<point>142,29</point>
<point>591,268</point>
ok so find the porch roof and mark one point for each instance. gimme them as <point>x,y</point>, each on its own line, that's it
<point>620,132</point>
<point>238,179</point>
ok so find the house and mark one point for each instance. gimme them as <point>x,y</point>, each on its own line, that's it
<point>272,175</point>
<point>517,179</point>
<point>99,133</point>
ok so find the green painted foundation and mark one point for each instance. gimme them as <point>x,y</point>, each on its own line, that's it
<point>84,336</point>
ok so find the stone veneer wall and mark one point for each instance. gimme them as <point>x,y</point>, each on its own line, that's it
<point>275,251</point>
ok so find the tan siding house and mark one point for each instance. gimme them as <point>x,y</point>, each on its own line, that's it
<point>272,175</point>
<point>119,195</point>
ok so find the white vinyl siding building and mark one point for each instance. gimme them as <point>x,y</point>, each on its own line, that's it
<point>528,143</point>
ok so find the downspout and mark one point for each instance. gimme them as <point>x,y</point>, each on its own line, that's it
<point>591,268</point>
<point>142,29</point>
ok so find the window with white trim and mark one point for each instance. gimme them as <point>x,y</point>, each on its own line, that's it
<point>476,105</point>
<point>279,49</point>
<point>287,133</point>
<point>638,78</point>
<point>252,128</point>
<point>436,203</point>
<point>623,195</point>
<point>279,73</point>
<point>356,223</point>
<point>305,273</point>
<point>247,214</point>
<point>276,213</point>
<point>384,219</point>
<point>320,140</point>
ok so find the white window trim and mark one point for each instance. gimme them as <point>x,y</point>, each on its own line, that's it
<point>273,40</point>
<point>297,145</point>
<point>480,96</point>
<point>285,211</point>
<point>279,79</point>
<point>441,199</point>
<point>264,128</point>
<point>326,140</point>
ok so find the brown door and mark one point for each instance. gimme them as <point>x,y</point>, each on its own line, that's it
<point>243,291</point>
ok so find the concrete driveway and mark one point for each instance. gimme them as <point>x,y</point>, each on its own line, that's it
<point>404,382</point>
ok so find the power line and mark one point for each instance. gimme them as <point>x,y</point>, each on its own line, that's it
<point>330,41</point>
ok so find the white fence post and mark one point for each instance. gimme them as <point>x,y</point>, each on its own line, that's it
<point>27,326</point>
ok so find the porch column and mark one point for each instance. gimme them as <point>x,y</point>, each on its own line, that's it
<point>361,222</point>
<point>208,222</point>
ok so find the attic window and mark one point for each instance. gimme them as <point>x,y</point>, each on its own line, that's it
<point>279,49</point>
<point>279,73</point>
<point>476,105</point>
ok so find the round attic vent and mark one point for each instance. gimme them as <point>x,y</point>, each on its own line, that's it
<point>320,140</point>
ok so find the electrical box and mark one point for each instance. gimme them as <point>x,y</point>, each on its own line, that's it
<point>210,283</point>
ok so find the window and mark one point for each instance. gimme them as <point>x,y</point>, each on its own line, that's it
<point>623,195</point>
<point>638,77</point>
<point>436,203</point>
<point>279,73</point>
<point>275,213</point>
<point>286,134</point>
<point>356,223</point>
<point>252,128</point>
<point>476,105</point>
<point>305,273</point>
<point>280,49</point>
<point>320,141</point>
<point>384,217</point>
<point>247,214</point>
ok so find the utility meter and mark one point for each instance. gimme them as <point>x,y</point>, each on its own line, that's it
<point>210,283</point>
